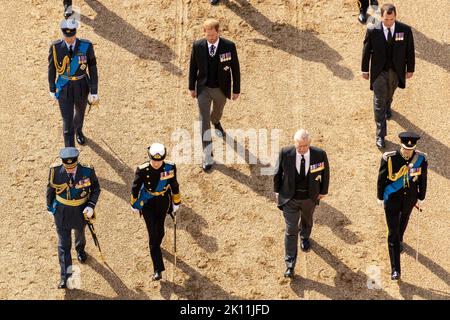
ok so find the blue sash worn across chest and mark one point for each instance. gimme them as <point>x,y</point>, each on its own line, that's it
<point>145,196</point>
<point>74,65</point>
<point>399,183</point>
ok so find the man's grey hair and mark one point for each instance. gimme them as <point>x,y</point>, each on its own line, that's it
<point>302,134</point>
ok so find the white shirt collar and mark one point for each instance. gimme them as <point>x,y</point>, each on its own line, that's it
<point>298,159</point>
<point>73,44</point>
<point>385,29</point>
<point>306,155</point>
<point>215,44</point>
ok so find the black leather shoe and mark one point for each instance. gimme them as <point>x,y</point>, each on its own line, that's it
<point>82,256</point>
<point>388,114</point>
<point>80,138</point>
<point>62,284</point>
<point>306,245</point>
<point>219,130</point>
<point>289,273</point>
<point>362,18</point>
<point>214,2</point>
<point>380,143</point>
<point>395,275</point>
<point>67,11</point>
<point>157,276</point>
<point>401,247</point>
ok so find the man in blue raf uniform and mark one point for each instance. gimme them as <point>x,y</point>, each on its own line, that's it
<point>70,60</point>
<point>402,185</point>
<point>156,193</point>
<point>72,194</point>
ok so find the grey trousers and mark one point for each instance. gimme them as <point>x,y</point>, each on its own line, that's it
<point>65,245</point>
<point>298,215</point>
<point>383,91</point>
<point>218,99</point>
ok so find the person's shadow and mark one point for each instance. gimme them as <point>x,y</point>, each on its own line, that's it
<point>112,27</point>
<point>189,219</point>
<point>122,291</point>
<point>439,152</point>
<point>262,185</point>
<point>303,44</point>
<point>432,51</point>
<point>346,282</point>
<point>196,287</point>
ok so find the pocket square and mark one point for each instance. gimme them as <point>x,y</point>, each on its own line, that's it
<point>319,178</point>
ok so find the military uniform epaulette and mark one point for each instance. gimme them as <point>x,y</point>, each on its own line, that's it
<point>169,162</point>
<point>55,164</point>
<point>422,154</point>
<point>57,41</point>
<point>86,165</point>
<point>386,155</point>
<point>85,40</point>
<point>144,165</point>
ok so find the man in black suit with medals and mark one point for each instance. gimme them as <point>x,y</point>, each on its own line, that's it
<point>300,181</point>
<point>389,49</point>
<point>402,184</point>
<point>214,62</point>
<point>73,79</point>
<point>72,194</point>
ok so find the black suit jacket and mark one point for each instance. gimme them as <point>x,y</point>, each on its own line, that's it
<point>284,179</point>
<point>374,51</point>
<point>198,70</point>
<point>61,52</point>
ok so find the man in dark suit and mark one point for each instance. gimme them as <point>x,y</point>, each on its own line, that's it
<point>301,180</point>
<point>73,79</point>
<point>402,184</point>
<point>72,194</point>
<point>390,50</point>
<point>363,6</point>
<point>214,62</point>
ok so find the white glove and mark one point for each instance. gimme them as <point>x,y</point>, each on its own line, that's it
<point>420,203</point>
<point>50,213</point>
<point>175,207</point>
<point>53,96</point>
<point>89,212</point>
<point>134,210</point>
<point>92,98</point>
<point>380,203</point>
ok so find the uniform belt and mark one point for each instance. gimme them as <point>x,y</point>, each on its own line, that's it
<point>160,193</point>
<point>71,203</point>
<point>74,78</point>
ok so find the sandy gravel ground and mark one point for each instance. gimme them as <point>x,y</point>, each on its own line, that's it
<point>300,63</point>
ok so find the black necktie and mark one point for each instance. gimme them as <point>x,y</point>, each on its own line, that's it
<point>389,39</point>
<point>70,51</point>
<point>212,50</point>
<point>71,179</point>
<point>302,168</point>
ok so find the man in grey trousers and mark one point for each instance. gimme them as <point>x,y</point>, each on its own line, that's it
<point>300,181</point>
<point>214,62</point>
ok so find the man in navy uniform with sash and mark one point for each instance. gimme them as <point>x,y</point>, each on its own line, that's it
<point>402,185</point>
<point>156,193</point>
<point>72,194</point>
<point>73,80</point>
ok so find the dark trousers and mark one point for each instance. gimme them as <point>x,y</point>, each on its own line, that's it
<point>397,210</point>
<point>67,3</point>
<point>364,4</point>
<point>65,245</point>
<point>383,91</point>
<point>154,214</point>
<point>298,215</point>
<point>73,100</point>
